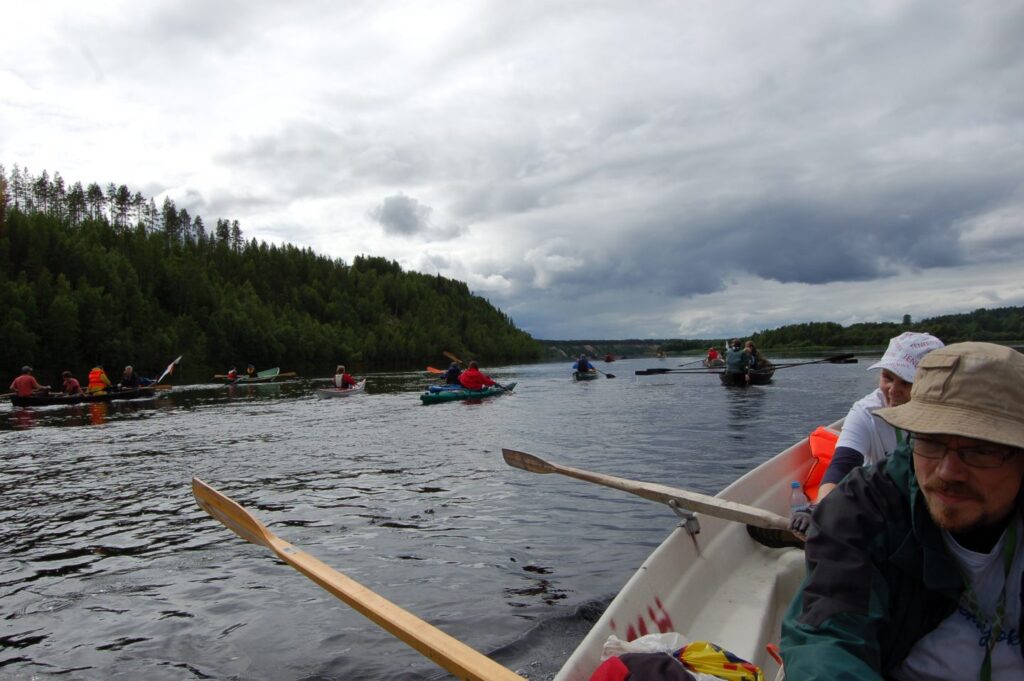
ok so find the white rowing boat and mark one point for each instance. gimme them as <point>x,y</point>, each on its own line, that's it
<point>719,585</point>
<point>327,393</point>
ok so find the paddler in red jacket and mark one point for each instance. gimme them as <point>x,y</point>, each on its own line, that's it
<point>473,379</point>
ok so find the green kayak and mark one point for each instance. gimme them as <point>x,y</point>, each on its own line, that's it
<point>584,375</point>
<point>445,395</point>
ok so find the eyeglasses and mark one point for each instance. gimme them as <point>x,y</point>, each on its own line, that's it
<point>975,457</point>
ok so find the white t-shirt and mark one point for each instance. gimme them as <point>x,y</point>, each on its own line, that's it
<point>956,648</point>
<point>865,432</point>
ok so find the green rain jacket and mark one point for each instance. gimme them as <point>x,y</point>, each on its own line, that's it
<point>879,578</point>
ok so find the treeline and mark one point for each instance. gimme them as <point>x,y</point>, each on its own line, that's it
<point>1000,325</point>
<point>118,283</point>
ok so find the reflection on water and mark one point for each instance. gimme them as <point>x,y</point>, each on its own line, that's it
<point>111,569</point>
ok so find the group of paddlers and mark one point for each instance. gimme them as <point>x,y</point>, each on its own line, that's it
<point>470,379</point>
<point>99,383</point>
<point>738,359</point>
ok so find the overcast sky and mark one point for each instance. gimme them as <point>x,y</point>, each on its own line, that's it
<point>595,169</point>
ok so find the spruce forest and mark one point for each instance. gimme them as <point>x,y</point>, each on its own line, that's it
<point>90,276</point>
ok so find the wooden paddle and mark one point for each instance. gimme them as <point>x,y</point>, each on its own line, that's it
<point>7,394</point>
<point>447,651</point>
<point>452,357</point>
<point>686,364</point>
<point>694,501</point>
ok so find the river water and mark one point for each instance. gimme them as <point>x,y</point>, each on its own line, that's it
<point>111,571</point>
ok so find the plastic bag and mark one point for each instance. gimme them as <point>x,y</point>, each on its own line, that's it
<point>705,657</point>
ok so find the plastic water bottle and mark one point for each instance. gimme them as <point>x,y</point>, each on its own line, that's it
<point>797,498</point>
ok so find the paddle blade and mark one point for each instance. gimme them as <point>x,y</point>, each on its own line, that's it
<point>452,357</point>
<point>230,514</point>
<point>169,370</point>
<point>527,462</point>
<point>434,370</point>
<point>651,372</point>
<point>609,375</point>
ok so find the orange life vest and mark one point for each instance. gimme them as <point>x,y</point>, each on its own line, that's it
<point>98,381</point>
<point>823,446</point>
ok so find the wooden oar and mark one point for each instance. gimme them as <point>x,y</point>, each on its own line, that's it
<point>6,394</point>
<point>656,372</point>
<point>694,501</point>
<point>443,649</point>
<point>686,364</point>
<point>837,359</point>
<point>452,357</point>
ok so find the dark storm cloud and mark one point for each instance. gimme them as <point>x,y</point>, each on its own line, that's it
<point>402,215</point>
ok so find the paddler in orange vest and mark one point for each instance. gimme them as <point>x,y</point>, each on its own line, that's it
<point>98,381</point>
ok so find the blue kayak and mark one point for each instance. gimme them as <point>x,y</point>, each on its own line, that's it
<point>445,393</point>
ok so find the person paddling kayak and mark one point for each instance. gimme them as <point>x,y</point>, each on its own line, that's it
<point>474,379</point>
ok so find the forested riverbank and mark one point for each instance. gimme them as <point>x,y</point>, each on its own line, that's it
<point>88,276</point>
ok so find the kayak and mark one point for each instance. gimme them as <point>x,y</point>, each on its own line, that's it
<point>719,585</point>
<point>265,376</point>
<point>447,395</point>
<point>327,393</point>
<point>57,398</point>
<point>584,375</point>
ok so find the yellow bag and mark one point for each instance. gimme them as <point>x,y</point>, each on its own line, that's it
<point>707,658</point>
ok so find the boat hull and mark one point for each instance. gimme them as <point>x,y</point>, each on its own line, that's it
<point>584,375</point>
<point>446,395</point>
<point>329,393</point>
<point>740,380</point>
<point>51,400</point>
<point>719,585</point>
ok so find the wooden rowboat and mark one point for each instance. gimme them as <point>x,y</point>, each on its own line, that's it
<point>757,377</point>
<point>719,585</point>
<point>57,398</point>
<point>327,393</point>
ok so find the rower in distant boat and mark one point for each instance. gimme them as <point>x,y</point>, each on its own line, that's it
<point>99,383</point>
<point>232,374</point>
<point>451,377</point>
<point>737,361</point>
<point>342,379</point>
<point>250,371</point>
<point>129,379</point>
<point>71,384</point>
<point>26,384</point>
<point>758,362</point>
<point>583,364</point>
<point>474,379</point>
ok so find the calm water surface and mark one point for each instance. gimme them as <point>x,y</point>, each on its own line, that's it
<point>111,571</point>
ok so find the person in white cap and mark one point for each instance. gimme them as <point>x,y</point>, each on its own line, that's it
<point>865,438</point>
<point>915,566</point>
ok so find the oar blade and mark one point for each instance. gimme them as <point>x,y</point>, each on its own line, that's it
<point>452,357</point>
<point>226,511</point>
<point>527,462</point>
<point>434,370</point>
<point>840,359</point>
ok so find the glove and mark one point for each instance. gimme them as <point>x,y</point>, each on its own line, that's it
<point>800,521</point>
